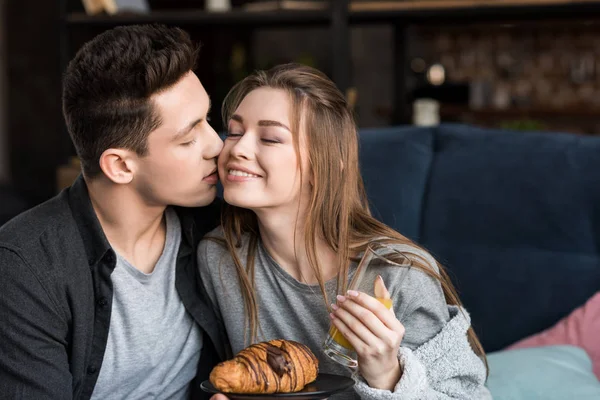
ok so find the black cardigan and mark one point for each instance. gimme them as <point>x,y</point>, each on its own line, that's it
<point>56,296</point>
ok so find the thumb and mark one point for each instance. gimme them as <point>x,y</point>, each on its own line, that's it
<point>219,396</point>
<point>380,290</point>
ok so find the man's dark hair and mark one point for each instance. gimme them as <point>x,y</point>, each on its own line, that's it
<point>107,88</point>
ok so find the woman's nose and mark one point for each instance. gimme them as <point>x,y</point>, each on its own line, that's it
<point>243,147</point>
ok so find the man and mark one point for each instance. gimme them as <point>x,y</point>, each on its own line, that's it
<point>99,292</point>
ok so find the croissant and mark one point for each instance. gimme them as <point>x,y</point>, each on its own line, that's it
<point>277,366</point>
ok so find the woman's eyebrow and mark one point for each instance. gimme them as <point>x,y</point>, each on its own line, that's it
<point>266,122</point>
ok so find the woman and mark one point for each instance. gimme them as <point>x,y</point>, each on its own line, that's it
<point>297,219</point>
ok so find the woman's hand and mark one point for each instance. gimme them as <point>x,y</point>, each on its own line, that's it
<point>374,332</point>
<point>219,396</point>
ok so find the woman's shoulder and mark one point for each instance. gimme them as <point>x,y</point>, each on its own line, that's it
<point>417,274</point>
<point>417,288</point>
<point>213,243</point>
<point>409,253</point>
<point>216,233</point>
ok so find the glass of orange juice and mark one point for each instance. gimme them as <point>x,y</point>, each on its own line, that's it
<point>376,260</point>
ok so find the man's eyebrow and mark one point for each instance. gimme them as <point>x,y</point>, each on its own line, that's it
<point>184,131</point>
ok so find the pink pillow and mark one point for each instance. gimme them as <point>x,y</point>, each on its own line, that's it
<point>580,328</point>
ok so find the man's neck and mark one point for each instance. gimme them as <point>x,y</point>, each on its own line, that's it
<point>134,229</point>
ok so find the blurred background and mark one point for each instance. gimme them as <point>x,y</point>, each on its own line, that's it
<point>514,64</point>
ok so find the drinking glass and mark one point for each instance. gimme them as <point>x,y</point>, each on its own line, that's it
<point>376,258</point>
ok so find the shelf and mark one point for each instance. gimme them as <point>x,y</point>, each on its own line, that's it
<point>281,18</point>
<point>535,112</point>
<point>403,12</point>
<point>471,11</point>
<point>389,12</point>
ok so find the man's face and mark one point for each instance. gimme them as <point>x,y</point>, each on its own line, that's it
<point>180,167</point>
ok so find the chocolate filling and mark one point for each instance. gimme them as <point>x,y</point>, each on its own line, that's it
<point>277,361</point>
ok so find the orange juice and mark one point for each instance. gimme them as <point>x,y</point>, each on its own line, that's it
<point>341,340</point>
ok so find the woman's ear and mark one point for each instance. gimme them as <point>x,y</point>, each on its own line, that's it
<point>118,165</point>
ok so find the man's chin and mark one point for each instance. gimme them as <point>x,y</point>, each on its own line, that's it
<point>198,201</point>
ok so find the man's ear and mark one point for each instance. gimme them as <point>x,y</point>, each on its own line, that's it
<point>118,165</point>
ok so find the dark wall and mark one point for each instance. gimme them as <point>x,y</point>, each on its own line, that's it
<point>38,141</point>
<point>34,116</point>
<point>37,138</point>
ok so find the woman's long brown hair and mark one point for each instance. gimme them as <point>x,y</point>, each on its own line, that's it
<point>338,211</point>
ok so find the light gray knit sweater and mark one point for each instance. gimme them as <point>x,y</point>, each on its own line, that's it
<point>437,360</point>
<point>445,367</point>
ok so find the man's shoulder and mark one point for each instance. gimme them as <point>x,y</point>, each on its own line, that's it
<point>44,241</point>
<point>48,219</point>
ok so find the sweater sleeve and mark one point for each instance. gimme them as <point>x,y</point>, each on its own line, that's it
<point>443,368</point>
<point>436,357</point>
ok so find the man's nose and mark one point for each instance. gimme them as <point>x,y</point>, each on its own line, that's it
<point>216,144</point>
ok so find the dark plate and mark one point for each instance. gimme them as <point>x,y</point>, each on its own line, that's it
<point>324,386</point>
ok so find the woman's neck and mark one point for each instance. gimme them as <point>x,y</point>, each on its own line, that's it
<point>283,237</point>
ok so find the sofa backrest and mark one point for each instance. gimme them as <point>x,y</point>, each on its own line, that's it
<point>514,216</point>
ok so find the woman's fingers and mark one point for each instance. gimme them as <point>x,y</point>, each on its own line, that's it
<point>383,314</point>
<point>377,334</point>
<point>348,332</point>
<point>365,324</point>
<point>353,329</point>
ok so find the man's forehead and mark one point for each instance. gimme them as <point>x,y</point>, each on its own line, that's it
<point>187,89</point>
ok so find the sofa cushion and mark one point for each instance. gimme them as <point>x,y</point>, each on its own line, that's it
<point>580,328</point>
<point>549,373</point>
<point>516,218</point>
<point>395,165</point>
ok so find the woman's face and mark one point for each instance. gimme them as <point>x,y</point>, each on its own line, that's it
<point>258,166</point>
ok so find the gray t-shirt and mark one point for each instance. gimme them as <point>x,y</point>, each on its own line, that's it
<point>153,344</point>
<point>292,310</point>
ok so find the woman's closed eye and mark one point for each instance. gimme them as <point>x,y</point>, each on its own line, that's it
<point>233,135</point>
<point>270,141</point>
<point>267,140</point>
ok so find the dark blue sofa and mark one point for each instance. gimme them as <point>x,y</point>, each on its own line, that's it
<point>514,216</point>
